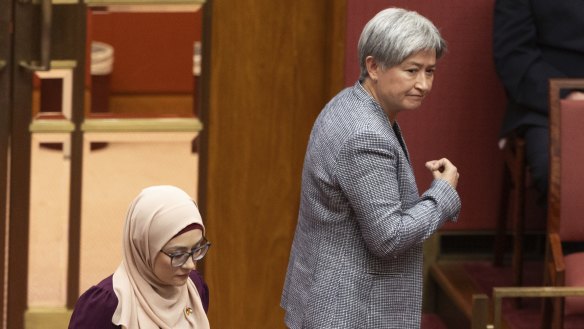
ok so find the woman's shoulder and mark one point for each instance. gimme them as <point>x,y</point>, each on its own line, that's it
<point>95,307</point>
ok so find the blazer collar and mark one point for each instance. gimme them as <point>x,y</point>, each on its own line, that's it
<point>363,95</point>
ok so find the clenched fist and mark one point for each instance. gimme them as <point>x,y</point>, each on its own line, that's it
<point>444,169</point>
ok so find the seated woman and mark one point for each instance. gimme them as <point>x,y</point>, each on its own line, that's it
<point>156,284</point>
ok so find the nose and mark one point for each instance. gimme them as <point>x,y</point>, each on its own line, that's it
<point>190,264</point>
<point>423,82</point>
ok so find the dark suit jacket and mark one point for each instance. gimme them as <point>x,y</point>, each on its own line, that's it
<point>356,259</point>
<point>534,40</point>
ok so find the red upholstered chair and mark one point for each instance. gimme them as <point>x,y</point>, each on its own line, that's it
<point>565,201</point>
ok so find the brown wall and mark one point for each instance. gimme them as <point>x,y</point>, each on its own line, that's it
<point>274,64</point>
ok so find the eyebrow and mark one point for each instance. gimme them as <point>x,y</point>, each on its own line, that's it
<point>183,248</point>
<point>420,65</point>
<point>178,248</point>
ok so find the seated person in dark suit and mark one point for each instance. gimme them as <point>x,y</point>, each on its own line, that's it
<point>533,41</point>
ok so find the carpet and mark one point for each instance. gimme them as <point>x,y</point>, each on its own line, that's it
<point>432,321</point>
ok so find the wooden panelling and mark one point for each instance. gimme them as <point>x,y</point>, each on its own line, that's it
<point>272,70</point>
<point>5,125</point>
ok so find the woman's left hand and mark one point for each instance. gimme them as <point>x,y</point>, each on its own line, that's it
<point>444,169</point>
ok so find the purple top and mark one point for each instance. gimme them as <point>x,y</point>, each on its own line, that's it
<point>95,308</point>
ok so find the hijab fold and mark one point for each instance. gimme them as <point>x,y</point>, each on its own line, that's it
<point>155,216</point>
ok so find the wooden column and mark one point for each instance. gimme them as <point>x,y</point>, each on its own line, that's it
<point>273,66</point>
<point>5,106</point>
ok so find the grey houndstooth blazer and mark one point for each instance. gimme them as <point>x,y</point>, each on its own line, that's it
<point>356,258</point>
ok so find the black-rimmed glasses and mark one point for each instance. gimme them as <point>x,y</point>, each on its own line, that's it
<point>179,258</point>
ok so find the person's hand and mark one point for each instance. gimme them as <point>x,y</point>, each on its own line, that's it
<point>444,169</point>
<point>576,96</point>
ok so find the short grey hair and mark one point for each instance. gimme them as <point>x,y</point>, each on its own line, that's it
<point>394,34</point>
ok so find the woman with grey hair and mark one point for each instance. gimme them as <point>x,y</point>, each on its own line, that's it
<point>356,258</point>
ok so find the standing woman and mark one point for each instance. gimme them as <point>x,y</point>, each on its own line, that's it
<point>356,258</point>
<point>156,284</point>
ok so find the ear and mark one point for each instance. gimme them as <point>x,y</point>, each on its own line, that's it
<point>372,67</point>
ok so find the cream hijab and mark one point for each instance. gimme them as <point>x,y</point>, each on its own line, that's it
<point>154,217</point>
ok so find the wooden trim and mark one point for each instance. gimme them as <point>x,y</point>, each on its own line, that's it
<point>142,2</point>
<point>554,179</point>
<point>142,125</point>
<point>203,109</point>
<point>152,8</point>
<point>19,191</point>
<point>46,318</point>
<point>5,108</point>
<point>554,197</point>
<point>480,311</point>
<point>445,276</point>
<point>76,49</point>
<point>51,126</point>
<point>63,64</point>
<point>557,261</point>
<point>529,292</point>
<point>554,267</point>
<point>19,195</point>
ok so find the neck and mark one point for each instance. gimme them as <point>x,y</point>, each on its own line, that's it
<point>369,86</point>
<point>166,291</point>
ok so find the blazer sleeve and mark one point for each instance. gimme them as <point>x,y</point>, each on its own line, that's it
<point>367,171</point>
<point>94,309</point>
<point>518,60</point>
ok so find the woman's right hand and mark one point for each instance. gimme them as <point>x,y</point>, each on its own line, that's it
<point>444,169</point>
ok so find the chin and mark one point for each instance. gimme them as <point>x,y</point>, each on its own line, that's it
<point>179,281</point>
<point>413,105</point>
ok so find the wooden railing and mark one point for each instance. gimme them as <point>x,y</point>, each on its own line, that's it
<point>480,308</point>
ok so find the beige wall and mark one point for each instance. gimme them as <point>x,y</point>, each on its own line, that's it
<point>49,223</point>
<point>112,177</point>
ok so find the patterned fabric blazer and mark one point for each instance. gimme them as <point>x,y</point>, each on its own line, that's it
<point>356,258</point>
